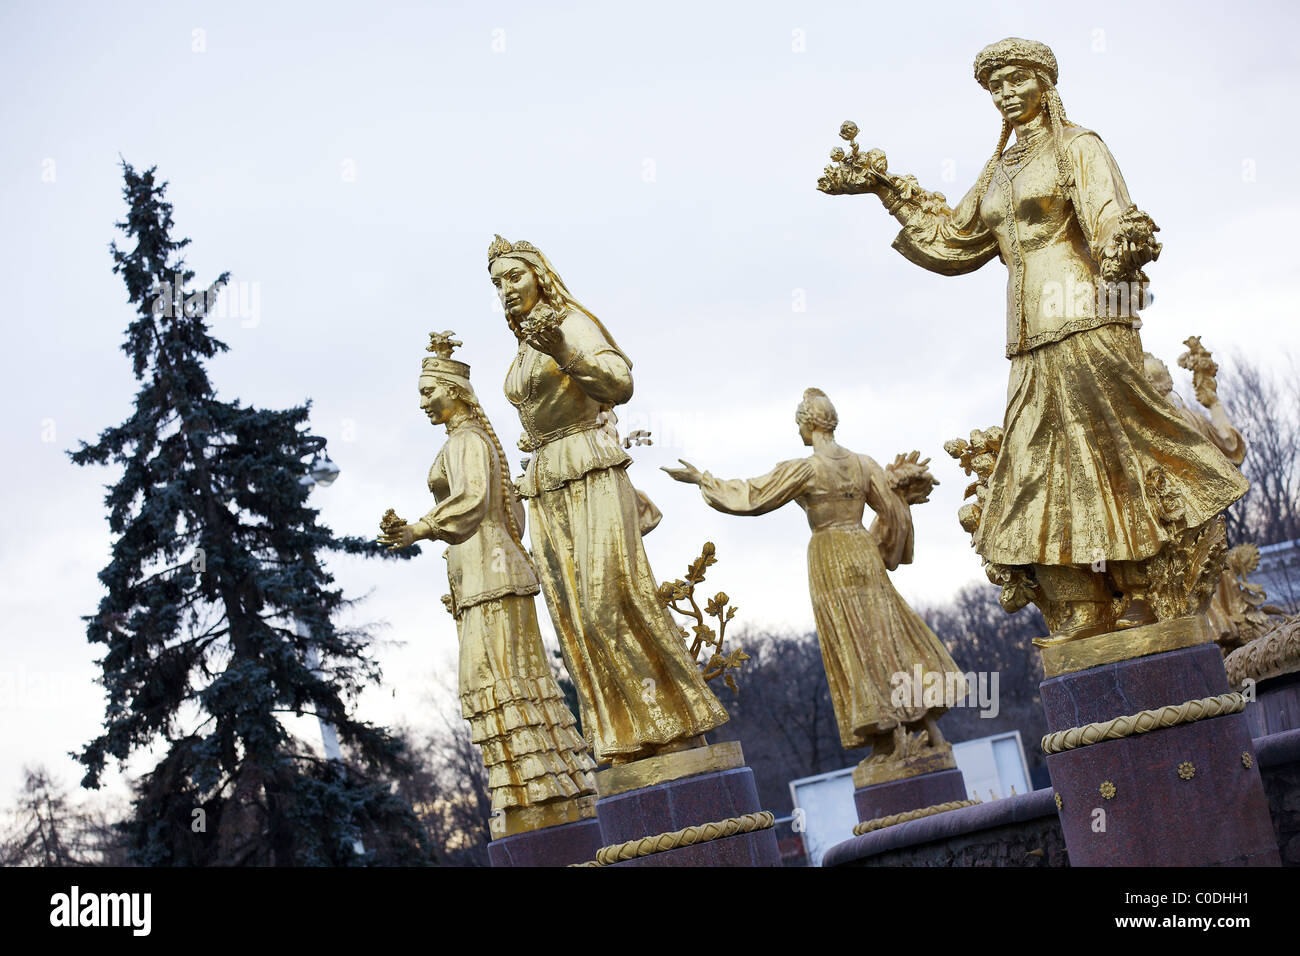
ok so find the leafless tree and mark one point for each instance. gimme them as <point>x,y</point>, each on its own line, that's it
<point>45,829</point>
<point>1265,408</point>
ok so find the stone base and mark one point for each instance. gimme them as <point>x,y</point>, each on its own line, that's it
<point>1187,795</point>
<point>551,846</point>
<point>686,802</point>
<point>1279,765</point>
<point>1016,831</point>
<point>1276,707</point>
<point>910,793</point>
<point>929,761</point>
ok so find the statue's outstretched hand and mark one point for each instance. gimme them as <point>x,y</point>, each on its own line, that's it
<point>855,172</point>
<point>394,532</point>
<point>688,473</point>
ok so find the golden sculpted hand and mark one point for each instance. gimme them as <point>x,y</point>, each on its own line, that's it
<point>543,331</point>
<point>551,341</point>
<point>688,474</point>
<point>854,171</point>
<point>396,533</point>
<point>398,538</point>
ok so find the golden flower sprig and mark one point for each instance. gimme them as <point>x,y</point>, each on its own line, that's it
<point>672,594</point>
<point>1204,369</point>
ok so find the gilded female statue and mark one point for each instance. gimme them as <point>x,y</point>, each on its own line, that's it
<point>639,691</point>
<point>1102,494</point>
<point>539,767</point>
<point>867,632</point>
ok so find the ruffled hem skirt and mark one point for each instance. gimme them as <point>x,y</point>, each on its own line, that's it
<point>516,711</point>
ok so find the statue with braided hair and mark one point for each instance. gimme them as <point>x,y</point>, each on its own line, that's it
<point>639,691</point>
<point>868,633</point>
<point>539,767</point>
<point>1103,500</point>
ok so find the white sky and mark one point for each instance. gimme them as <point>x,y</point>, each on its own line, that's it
<point>664,157</point>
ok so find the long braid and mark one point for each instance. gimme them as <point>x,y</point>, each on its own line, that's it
<point>986,176</point>
<point>507,491</point>
<point>1056,117</point>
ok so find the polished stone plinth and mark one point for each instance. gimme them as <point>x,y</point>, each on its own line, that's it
<point>703,797</point>
<point>911,793</point>
<point>550,846</point>
<point>1184,795</point>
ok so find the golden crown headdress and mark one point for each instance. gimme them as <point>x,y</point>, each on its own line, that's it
<point>1014,50</point>
<point>441,363</point>
<point>501,247</point>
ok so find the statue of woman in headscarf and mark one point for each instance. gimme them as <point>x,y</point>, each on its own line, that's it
<point>1103,500</point>
<point>639,691</point>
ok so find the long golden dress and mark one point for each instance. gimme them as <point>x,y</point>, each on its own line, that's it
<point>516,711</point>
<point>637,684</point>
<point>867,632</point>
<point>1084,428</point>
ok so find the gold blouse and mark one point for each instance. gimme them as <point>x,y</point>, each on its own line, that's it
<point>832,491</point>
<point>1051,241</point>
<point>560,409</point>
<point>483,560</point>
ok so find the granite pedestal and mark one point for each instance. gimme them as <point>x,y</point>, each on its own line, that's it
<point>550,846</point>
<point>722,788</point>
<point>1183,795</point>
<point>910,793</point>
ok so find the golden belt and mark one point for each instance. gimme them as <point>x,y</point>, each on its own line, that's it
<point>535,442</point>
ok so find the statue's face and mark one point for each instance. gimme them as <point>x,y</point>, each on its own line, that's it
<point>437,400</point>
<point>516,285</point>
<point>1016,93</point>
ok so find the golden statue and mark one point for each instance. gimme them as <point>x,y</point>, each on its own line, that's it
<point>1101,500</point>
<point>868,634</point>
<point>539,767</point>
<point>640,692</point>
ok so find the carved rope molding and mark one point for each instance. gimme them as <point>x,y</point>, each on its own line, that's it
<point>688,836</point>
<point>1144,722</point>
<point>879,823</point>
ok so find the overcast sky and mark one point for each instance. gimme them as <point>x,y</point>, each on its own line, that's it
<point>349,163</point>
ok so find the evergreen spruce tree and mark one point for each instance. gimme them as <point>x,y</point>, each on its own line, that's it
<point>215,556</point>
